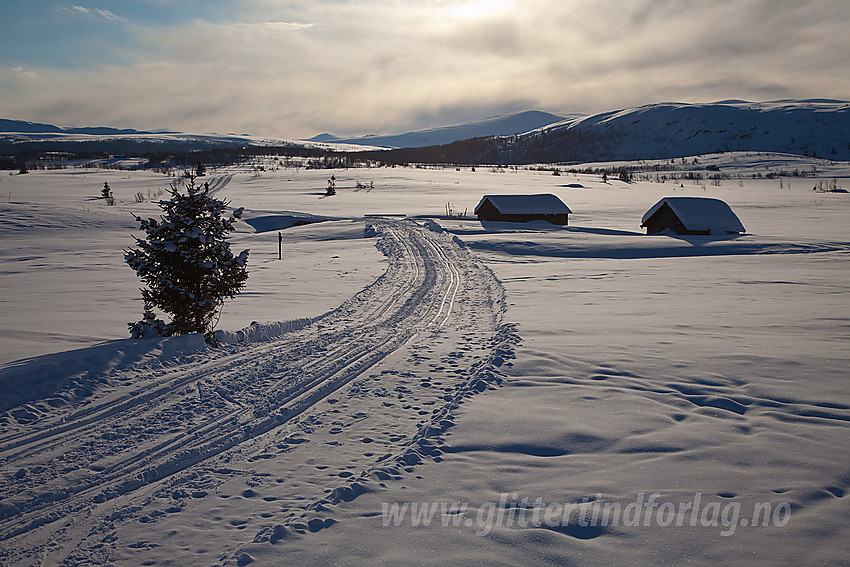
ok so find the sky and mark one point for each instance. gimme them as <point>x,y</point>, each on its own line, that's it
<point>294,69</point>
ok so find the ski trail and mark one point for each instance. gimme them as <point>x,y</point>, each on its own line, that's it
<point>218,183</point>
<point>450,294</point>
<point>435,306</point>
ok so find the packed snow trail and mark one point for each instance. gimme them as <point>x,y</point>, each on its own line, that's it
<point>152,429</point>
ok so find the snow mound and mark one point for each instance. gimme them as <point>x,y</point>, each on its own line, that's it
<point>433,226</point>
<point>270,223</point>
<point>63,377</point>
<point>258,332</point>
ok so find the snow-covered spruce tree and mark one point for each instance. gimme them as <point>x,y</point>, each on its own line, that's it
<point>186,263</point>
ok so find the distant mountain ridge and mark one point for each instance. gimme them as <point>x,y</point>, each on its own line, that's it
<point>23,127</point>
<point>509,124</point>
<point>812,127</point>
<point>506,125</point>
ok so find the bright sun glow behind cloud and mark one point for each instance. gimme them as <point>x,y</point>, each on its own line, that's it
<point>480,9</point>
<point>296,69</point>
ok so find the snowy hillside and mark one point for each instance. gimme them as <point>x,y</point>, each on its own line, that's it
<point>416,390</point>
<point>809,127</point>
<point>507,125</point>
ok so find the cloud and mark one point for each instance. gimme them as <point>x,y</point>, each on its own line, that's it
<point>21,73</point>
<point>279,26</point>
<point>300,68</point>
<point>96,13</point>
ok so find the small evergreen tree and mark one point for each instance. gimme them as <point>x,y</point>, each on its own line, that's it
<point>106,193</point>
<point>186,263</point>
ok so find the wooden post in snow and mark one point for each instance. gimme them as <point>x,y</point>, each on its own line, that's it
<point>279,246</point>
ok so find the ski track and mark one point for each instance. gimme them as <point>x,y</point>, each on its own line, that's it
<point>218,183</point>
<point>154,428</point>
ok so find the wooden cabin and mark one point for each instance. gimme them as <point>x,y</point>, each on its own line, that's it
<point>691,216</point>
<point>522,208</point>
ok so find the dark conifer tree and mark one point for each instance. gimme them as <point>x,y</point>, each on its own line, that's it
<point>186,263</point>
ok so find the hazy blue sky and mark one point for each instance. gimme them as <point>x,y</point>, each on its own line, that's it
<point>298,68</point>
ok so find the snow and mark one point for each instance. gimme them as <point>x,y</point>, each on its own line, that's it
<point>700,213</point>
<point>511,368</point>
<point>810,127</point>
<point>506,125</point>
<point>526,204</point>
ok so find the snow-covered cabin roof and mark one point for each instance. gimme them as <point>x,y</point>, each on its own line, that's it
<point>700,213</point>
<point>542,204</point>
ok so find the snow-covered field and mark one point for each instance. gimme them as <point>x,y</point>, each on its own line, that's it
<point>439,393</point>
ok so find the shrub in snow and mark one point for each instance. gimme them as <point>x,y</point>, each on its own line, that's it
<point>186,263</point>
<point>149,326</point>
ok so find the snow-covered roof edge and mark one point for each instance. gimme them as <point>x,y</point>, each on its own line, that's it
<point>700,213</point>
<point>538,204</point>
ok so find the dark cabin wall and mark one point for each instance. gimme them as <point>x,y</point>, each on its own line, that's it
<point>665,218</point>
<point>488,212</point>
<point>553,219</point>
